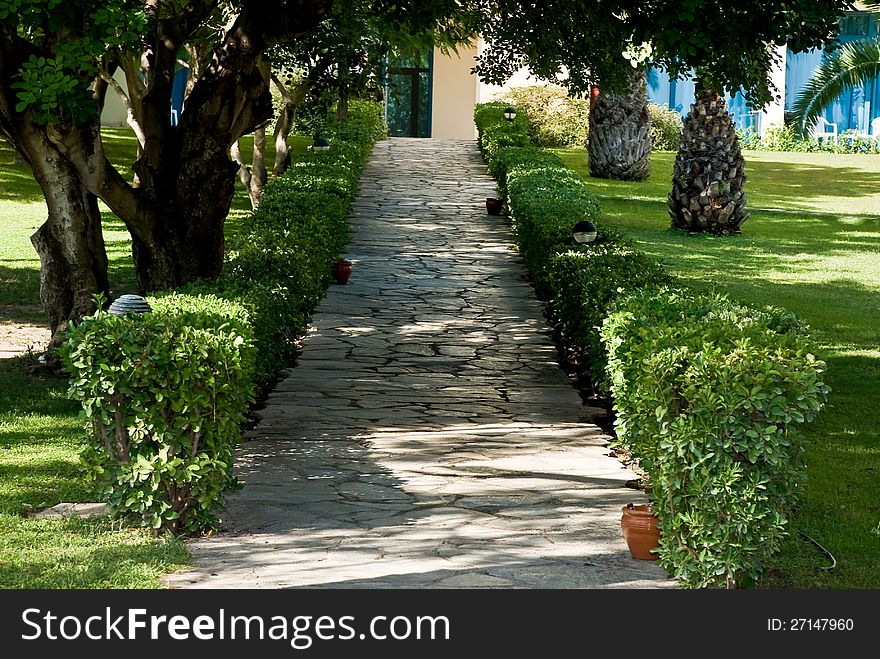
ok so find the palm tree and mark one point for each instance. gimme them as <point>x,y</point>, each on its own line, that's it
<point>852,65</point>
<point>708,180</point>
<point>620,133</point>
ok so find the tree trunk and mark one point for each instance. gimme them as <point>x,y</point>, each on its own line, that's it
<point>253,177</point>
<point>620,133</point>
<point>285,121</point>
<point>708,180</point>
<point>69,243</point>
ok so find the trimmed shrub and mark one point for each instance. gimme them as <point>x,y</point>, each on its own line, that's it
<point>497,132</point>
<point>554,118</point>
<point>519,158</point>
<point>708,395</point>
<point>545,203</point>
<point>584,284</point>
<point>666,126</point>
<point>164,395</point>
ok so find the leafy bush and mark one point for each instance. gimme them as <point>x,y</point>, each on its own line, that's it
<point>666,128</point>
<point>708,395</point>
<point>497,132</point>
<point>787,138</point>
<point>545,203</point>
<point>554,118</point>
<point>584,284</point>
<point>163,396</point>
<point>510,159</point>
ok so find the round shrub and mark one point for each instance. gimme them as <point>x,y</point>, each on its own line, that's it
<point>666,127</point>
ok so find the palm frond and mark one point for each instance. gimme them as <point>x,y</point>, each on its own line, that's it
<point>853,64</point>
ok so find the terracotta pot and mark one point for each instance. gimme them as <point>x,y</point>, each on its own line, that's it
<point>494,205</point>
<point>639,524</point>
<point>341,271</point>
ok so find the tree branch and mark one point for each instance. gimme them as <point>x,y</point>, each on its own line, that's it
<point>130,116</point>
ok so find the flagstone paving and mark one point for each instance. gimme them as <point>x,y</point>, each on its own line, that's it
<point>427,437</point>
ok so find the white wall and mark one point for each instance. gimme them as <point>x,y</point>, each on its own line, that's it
<point>454,93</point>
<point>114,113</point>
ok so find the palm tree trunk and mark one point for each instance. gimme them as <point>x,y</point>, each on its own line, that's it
<point>708,180</point>
<point>620,133</point>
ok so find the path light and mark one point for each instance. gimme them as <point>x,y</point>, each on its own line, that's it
<point>510,113</point>
<point>584,232</point>
<point>321,144</point>
<point>126,304</point>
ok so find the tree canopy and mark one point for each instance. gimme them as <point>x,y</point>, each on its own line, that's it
<point>728,44</point>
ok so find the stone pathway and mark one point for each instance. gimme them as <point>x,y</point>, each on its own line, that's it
<point>427,436</point>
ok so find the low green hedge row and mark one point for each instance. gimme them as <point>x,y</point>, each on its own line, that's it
<point>545,203</point>
<point>164,394</point>
<point>584,284</point>
<point>707,393</point>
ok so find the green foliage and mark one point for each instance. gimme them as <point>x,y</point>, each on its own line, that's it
<point>666,127</point>
<point>787,138</point>
<point>555,118</point>
<point>590,43</point>
<point>584,284</point>
<point>163,396</point>
<point>497,132</point>
<point>852,65</point>
<point>69,41</point>
<point>545,203</point>
<point>511,159</point>
<point>708,396</point>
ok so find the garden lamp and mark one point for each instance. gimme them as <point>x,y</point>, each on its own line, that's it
<point>584,232</point>
<point>510,113</point>
<point>126,304</point>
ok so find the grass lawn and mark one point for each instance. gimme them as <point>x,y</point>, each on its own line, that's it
<point>39,431</point>
<point>811,245</point>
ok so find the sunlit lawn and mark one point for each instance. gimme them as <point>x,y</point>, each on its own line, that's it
<point>40,436</point>
<point>811,245</point>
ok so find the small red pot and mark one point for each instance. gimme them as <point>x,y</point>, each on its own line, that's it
<point>639,524</point>
<point>494,205</point>
<point>341,271</point>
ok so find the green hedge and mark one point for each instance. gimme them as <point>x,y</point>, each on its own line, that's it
<point>584,284</point>
<point>786,138</point>
<point>555,119</point>
<point>666,126</point>
<point>510,159</point>
<point>709,395</point>
<point>164,394</point>
<point>544,204</point>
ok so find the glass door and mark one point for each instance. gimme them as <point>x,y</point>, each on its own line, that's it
<point>408,95</point>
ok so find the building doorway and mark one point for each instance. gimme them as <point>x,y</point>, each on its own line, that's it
<point>408,95</point>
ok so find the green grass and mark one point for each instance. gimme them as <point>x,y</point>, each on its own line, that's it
<point>811,245</point>
<point>40,436</point>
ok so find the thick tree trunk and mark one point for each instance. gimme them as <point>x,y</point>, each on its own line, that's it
<point>620,133</point>
<point>708,180</point>
<point>70,243</point>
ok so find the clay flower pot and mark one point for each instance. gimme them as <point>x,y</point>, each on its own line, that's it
<point>639,524</point>
<point>494,205</point>
<point>341,271</point>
